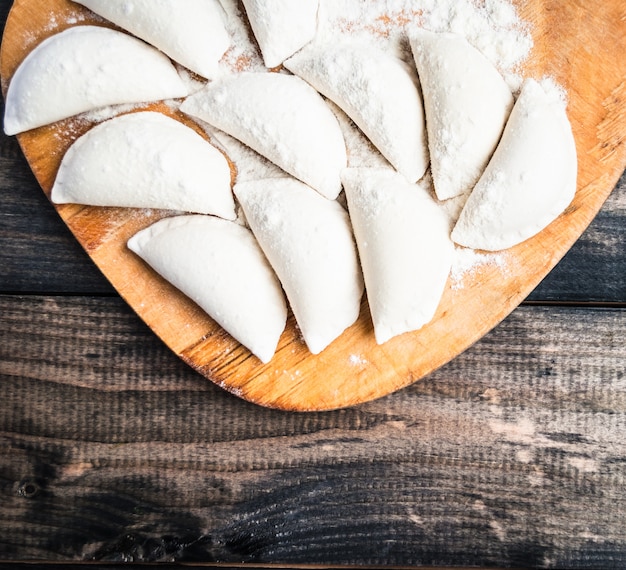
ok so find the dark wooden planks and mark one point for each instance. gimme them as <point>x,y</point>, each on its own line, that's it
<point>114,450</point>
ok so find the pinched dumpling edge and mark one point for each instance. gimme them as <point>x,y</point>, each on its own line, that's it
<point>219,265</point>
<point>82,69</point>
<point>287,122</point>
<point>403,237</point>
<point>308,241</point>
<point>281,28</point>
<point>531,178</point>
<point>377,91</point>
<point>145,160</point>
<point>199,48</point>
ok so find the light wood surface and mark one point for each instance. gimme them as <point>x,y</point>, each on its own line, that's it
<point>580,43</point>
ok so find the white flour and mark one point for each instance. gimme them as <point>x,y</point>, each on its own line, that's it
<point>467,262</point>
<point>492,26</point>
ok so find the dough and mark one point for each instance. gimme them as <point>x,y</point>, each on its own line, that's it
<point>530,180</point>
<point>467,103</point>
<point>282,118</point>
<point>82,69</point>
<point>191,32</point>
<point>145,160</point>
<point>377,91</point>
<point>404,244</point>
<point>281,27</point>
<point>309,243</point>
<point>219,265</point>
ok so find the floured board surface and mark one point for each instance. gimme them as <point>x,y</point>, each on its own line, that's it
<point>579,44</point>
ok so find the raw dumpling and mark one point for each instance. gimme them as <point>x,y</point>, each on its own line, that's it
<point>282,118</point>
<point>467,103</point>
<point>377,91</point>
<point>219,265</point>
<point>531,178</point>
<point>191,32</point>
<point>82,69</point>
<point>145,160</point>
<point>309,243</point>
<point>281,27</point>
<point>404,244</point>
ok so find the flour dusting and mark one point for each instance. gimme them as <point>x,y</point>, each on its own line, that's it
<point>492,26</point>
<point>357,360</point>
<point>466,262</point>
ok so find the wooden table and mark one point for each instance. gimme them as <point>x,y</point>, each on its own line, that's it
<point>113,450</point>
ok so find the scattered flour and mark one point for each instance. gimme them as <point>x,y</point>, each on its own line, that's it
<point>492,26</point>
<point>54,23</point>
<point>108,112</point>
<point>357,360</point>
<point>466,262</point>
<point>243,54</point>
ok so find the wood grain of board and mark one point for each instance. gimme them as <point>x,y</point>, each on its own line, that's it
<point>581,44</point>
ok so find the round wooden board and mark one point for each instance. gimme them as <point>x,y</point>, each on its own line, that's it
<point>580,43</point>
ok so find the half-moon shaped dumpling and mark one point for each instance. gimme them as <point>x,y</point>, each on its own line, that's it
<point>309,243</point>
<point>145,160</point>
<point>531,178</point>
<point>404,244</point>
<point>281,27</point>
<point>191,32</point>
<point>377,91</point>
<point>82,69</point>
<point>467,103</point>
<point>219,265</point>
<point>282,118</point>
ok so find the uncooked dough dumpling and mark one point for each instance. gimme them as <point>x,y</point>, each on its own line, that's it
<point>145,160</point>
<point>282,118</point>
<point>531,178</point>
<point>281,27</point>
<point>82,69</point>
<point>309,243</point>
<point>467,103</point>
<point>219,265</point>
<point>404,244</point>
<point>191,32</point>
<point>377,91</point>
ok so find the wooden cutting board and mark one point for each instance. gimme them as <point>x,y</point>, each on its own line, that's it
<point>581,43</point>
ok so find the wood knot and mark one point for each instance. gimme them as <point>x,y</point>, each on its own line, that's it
<point>28,488</point>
